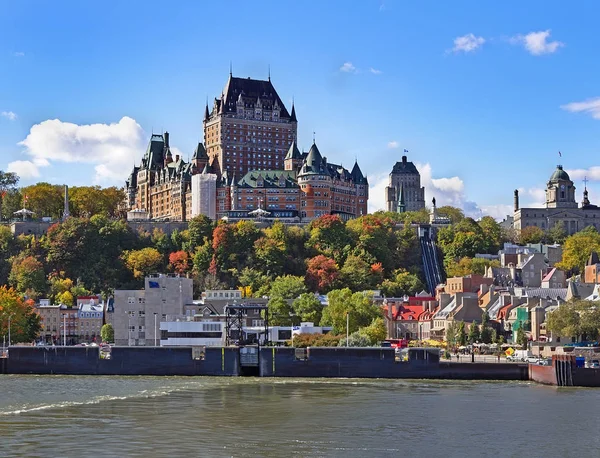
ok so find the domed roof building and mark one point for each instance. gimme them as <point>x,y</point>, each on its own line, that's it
<point>560,207</point>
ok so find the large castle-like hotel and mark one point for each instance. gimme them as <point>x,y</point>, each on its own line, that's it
<point>250,166</point>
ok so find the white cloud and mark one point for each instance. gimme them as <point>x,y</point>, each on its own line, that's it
<point>377,185</point>
<point>532,197</point>
<point>9,115</point>
<point>25,169</point>
<point>111,148</point>
<point>467,43</point>
<point>19,54</point>
<point>375,71</point>
<point>591,106</point>
<point>498,212</point>
<point>393,144</point>
<point>348,68</point>
<point>592,173</point>
<point>536,42</point>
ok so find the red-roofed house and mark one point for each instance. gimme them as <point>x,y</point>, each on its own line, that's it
<point>404,320</point>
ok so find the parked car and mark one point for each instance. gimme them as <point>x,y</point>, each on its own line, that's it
<point>533,359</point>
<point>595,364</point>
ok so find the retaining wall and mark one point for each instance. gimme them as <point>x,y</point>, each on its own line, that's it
<point>123,361</point>
<point>377,363</point>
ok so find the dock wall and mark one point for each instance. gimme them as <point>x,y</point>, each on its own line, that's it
<point>123,361</point>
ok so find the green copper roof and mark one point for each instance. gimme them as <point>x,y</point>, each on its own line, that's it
<point>560,175</point>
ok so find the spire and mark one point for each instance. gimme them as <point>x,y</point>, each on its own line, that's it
<point>200,153</point>
<point>293,115</point>
<point>206,114</point>
<point>269,72</point>
<point>356,174</point>
<point>293,152</point>
<point>401,203</point>
<point>230,69</point>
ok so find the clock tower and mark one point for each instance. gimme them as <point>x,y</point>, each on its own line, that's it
<point>560,191</point>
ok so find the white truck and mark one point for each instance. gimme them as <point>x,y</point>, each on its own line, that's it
<point>520,355</point>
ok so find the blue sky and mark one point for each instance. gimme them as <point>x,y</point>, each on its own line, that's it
<point>482,95</point>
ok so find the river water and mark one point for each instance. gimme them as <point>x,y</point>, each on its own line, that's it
<point>78,416</point>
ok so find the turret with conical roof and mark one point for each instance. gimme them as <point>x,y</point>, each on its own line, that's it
<point>313,164</point>
<point>199,158</point>
<point>357,174</point>
<point>293,158</point>
<point>293,114</point>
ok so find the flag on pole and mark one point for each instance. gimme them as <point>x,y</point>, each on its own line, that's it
<point>406,151</point>
<point>559,154</point>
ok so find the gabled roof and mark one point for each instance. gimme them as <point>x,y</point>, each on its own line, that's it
<point>251,91</point>
<point>593,259</point>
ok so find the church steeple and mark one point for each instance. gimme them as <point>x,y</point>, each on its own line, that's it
<point>401,202</point>
<point>560,191</point>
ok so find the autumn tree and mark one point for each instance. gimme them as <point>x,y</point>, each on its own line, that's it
<point>454,214</point>
<point>179,262</point>
<point>143,262</point>
<point>25,323</point>
<point>8,182</point>
<point>44,199</point>
<point>474,335</point>
<point>469,266</point>
<point>373,236</point>
<point>27,276</point>
<point>329,236</point>
<point>322,273</point>
<point>577,249</point>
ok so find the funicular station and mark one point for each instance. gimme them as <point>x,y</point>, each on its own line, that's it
<point>248,342</point>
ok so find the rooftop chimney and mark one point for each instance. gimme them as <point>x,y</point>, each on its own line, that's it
<point>404,159</point>
<point>516,199</point>
<point>166,137</point>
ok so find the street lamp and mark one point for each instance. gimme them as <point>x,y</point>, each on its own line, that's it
<point>129,329</point>
<point>347,327</point>
<point>155,336</point>
<point>9,318</point>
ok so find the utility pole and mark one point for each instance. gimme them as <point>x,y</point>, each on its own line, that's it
<point>64,329</point>
<point>155,336</point>
<point>347,327</point>
<point>9,318</point>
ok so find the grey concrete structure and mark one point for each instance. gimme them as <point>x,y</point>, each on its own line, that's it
<point>404,192</point>
<point>133,314</point>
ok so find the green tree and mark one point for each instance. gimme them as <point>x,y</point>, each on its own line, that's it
<point>521,338</point>
<point>452,333</point>
<point>358,306</point>
<point>557,233</point>
<point>492,233</point>
<point>376,332</point>
<point>468,266</point>
<point>455,214</point>
<point>461,337</point>
<point>107,333</point>
<point>531,234</point>
<point>11,202</point>
<point>403,283</point>
<point>281,312</point>
<point>287,287</point>
<point>200,229</point>
<point>356,274</point>
<point>474,335</point>
<point>253,279</point>
<point>308,307</point>
<point>8,182</point>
